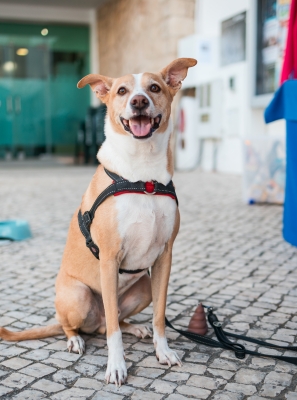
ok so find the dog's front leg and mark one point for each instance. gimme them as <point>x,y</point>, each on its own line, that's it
<point>160,278</point>
<point>116,368</point>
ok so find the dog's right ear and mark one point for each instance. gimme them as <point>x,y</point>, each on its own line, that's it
<point>100,84</point>
<point>176,72</point>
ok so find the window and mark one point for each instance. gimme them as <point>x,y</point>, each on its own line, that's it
<point>233,43</point>
<point>272,25</point>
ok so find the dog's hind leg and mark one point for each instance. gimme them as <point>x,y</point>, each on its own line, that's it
<point>77,310</point>
<point>137,298</point>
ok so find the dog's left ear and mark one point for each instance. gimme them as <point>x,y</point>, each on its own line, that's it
<point>100,84</point>
<point>176,72</point>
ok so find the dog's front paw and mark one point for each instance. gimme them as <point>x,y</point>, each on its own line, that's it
<point>165,355</point>
<point>76,344</point>
<point>116,370</point>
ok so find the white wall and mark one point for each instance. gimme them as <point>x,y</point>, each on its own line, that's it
<point>210,13</point>
<point>239,118</point>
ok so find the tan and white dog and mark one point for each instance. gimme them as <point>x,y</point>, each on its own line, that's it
<point>132,231</point>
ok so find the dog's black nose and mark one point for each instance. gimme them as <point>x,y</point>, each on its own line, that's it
<point>139,102</point>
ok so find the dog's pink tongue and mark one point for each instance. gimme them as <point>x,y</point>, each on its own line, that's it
<point>140,126</point>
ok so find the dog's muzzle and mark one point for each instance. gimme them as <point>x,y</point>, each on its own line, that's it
<point>141,126</point>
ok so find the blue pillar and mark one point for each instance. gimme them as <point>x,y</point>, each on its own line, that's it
<point>284,105</point>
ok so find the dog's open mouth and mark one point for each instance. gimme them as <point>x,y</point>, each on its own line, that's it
<point>142,126</point>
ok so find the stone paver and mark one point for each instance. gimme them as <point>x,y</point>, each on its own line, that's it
<point>17,380</point>
<point>161,386</point>
<point>38,370</point>
<point>16,363</point>
<point>48,386</point>
<point>227,254</point>
<point>88,383</point>
<point>30,395</point>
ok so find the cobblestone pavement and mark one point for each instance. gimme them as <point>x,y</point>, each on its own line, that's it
<point>227,254</point>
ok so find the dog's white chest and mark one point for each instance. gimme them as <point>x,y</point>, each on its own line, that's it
<point>145,224</point>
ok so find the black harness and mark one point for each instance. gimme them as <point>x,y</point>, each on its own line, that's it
<point>120,186</point>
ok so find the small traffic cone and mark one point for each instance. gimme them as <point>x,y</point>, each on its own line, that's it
<point>198,322</point>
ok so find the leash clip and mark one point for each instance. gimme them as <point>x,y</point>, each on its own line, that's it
<point>217,324</point>
<point>210,309</point>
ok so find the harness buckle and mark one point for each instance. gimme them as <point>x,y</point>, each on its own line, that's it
<point>87,219</point>
<point>92,246</point>
<point>150,187</point>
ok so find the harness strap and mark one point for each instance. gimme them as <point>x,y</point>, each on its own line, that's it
<point>114,176</point>
<point>224,343</point>
<point>117,187</point>
<point>131,271</point>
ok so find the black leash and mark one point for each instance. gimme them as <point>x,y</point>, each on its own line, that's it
<point>224,343</point>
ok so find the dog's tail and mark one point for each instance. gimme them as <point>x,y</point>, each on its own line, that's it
<point>34,333</point>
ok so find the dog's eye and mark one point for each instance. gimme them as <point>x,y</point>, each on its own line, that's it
<point>155,88</point>
<point>122,91</point>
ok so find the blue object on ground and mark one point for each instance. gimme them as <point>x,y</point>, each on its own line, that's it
<point>14,230</point>
<point>284,105</point>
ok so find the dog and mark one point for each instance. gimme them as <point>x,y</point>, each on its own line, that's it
<point>134,231</point>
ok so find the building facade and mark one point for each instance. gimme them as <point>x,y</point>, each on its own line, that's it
<point>239,45</point>
<point>139,35</point>
<point>46,47</point>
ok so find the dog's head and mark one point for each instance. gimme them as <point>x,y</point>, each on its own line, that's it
<point>139,105</point>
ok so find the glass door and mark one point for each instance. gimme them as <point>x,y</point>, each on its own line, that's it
<point>25,124</point>
<point>41,108</point>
